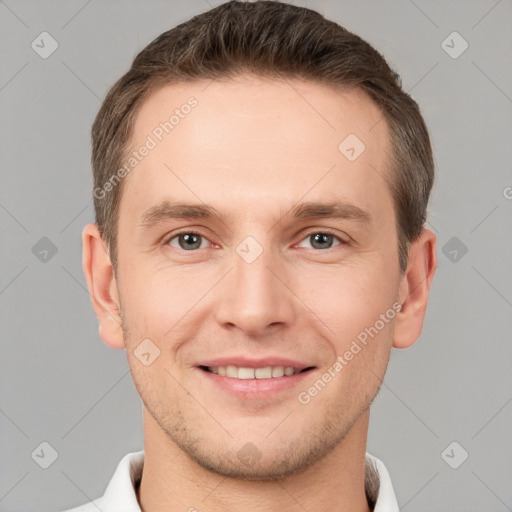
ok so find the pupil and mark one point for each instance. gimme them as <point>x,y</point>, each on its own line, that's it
<point>190,241</point>
<point>322,238</point>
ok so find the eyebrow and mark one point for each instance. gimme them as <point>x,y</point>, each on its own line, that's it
<point>167,210</point>
<point>333,210</point>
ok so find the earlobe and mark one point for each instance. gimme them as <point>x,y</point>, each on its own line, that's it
<point>414,290</point>
<point>102,285</point>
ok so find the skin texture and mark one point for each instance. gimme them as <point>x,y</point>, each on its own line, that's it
<point>253,148</point>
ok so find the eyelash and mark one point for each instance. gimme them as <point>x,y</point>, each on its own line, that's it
<point>307,235</point>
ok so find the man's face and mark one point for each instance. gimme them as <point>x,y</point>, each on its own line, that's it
<point>258,287</point>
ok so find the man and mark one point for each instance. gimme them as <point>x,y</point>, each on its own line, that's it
<point>261,184</point>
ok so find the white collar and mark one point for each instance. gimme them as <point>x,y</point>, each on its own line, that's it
<point>120,493</point>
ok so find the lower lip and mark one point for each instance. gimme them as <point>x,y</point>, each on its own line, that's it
<point>255,388</point>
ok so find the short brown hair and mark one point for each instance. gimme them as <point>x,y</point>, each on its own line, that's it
<point>271,39</point>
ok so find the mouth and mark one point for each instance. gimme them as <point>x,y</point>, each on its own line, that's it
<point>260,373</point>
<point>254,380</point>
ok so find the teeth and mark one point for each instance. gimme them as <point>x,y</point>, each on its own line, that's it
<point>278,371</point>
<point>243,373</point>
<point>232,371</point>
<point>261,373</point>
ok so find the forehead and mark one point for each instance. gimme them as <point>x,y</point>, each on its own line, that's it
<point>251,141</point>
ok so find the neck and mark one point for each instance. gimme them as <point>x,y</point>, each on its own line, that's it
<point>172,481</point>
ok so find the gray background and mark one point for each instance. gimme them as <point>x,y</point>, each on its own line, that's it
<point>61,385</point>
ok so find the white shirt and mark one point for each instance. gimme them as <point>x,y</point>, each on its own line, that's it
<point>120,494</point>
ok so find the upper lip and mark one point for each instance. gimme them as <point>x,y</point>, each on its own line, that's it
<point>246,362</point>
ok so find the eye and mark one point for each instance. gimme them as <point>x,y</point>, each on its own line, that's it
<point>322,240</point>
<point>188,241</point>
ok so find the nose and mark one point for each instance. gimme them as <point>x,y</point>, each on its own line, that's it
<point>256,297</point>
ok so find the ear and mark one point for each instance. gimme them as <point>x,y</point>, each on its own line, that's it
<point>102,286</point>
<point>414,290</point>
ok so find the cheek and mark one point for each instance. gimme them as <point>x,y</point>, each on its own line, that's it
<point>158,299</point>
<point>350,300</point>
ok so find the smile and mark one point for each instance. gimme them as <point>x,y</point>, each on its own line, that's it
<point>245,373</point>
